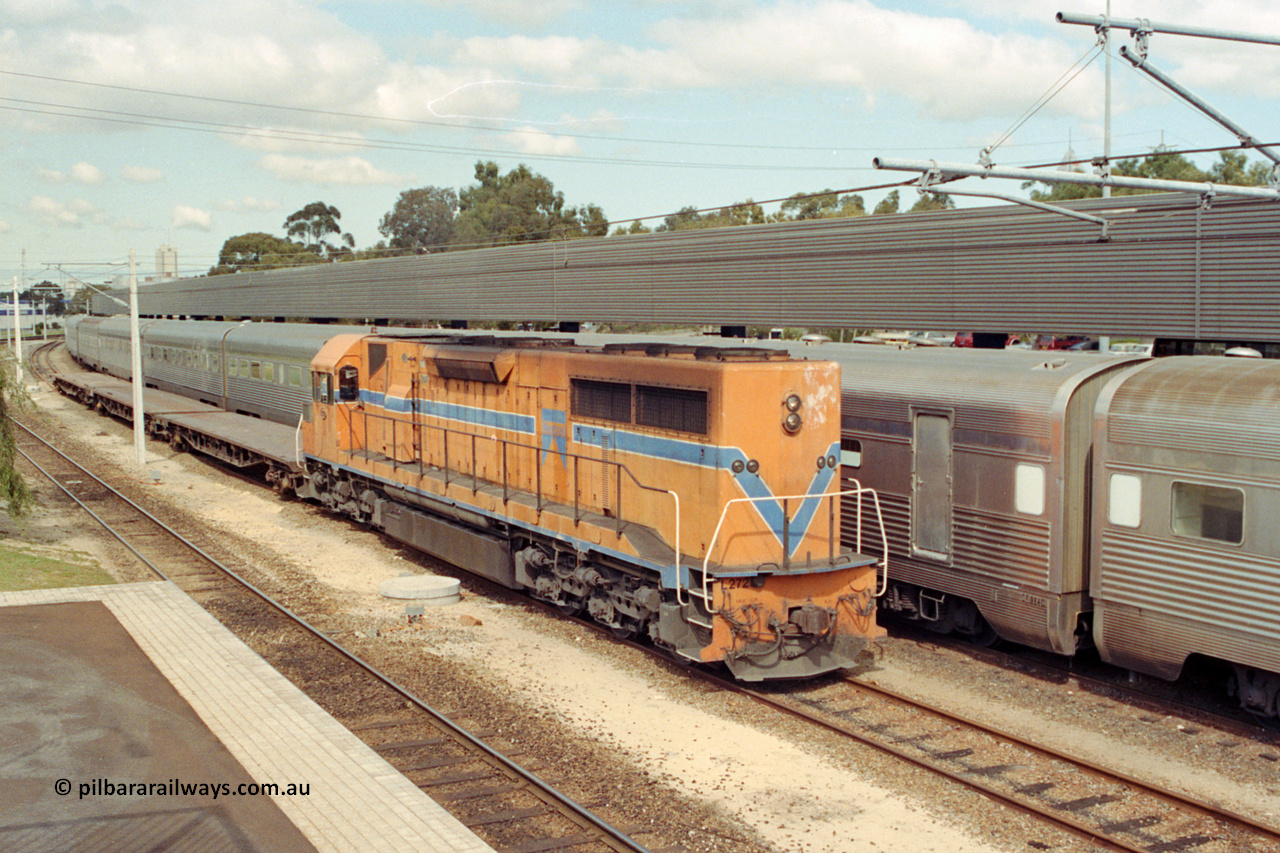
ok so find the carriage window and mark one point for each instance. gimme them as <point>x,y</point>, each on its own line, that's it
<point>295,376</point>
<point>1028,489</point>
<point>671,408</point>
<point>255,368</point>
<point>851,452</point>
<point>1208,512</point>
<point>608,401</point>
<point>348,384</point>
<point>1125,505</point>
<point>268,371</point>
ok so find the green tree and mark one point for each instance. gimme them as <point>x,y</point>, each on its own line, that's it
<point>422,220</point>
<point>519,207</point>
<point>827,204</point>
<point>889,204</point>
<point>1233,167</point>
<point>49,294</point>
<point>932,201</point>
<point>261,251</point>
<point>16,494</point>
<point>742,213</point>
<point>314,223</point>
<point>636,227</point>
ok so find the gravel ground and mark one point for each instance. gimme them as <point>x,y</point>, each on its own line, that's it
<point>613,725</point>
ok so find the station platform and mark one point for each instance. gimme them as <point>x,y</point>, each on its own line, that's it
<point>120,702</point>
<point>255,437</point>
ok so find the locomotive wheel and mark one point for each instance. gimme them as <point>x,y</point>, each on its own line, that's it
<point>625,632</point>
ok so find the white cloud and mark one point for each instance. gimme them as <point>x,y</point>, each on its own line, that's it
<point>531,140</point>
<point>514,13</point>
<point>279,139</point>
<point>73,214</point>
<point>184,216</point>
<point>86,173</point>
<point>247,204</point>
<point>5,227</point>
<point>141,174</point>
<point>354,171</point>
<point>80,173</point>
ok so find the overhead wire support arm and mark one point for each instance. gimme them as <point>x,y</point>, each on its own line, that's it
<point>1137,26</point>
<point>1055,176</point>
<point>926,187</point>
<point>1139,61</point>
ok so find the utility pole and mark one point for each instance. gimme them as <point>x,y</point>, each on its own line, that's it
<point>17,333</point>
<point>1104,33</point>
<point>135,343</point>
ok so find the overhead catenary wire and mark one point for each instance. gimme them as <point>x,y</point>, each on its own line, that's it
<point>1067,76</point>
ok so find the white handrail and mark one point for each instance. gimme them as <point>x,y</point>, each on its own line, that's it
<point>859,490</point>
<point>297,442</point>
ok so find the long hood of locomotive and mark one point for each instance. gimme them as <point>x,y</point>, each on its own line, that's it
<point>579,424</point>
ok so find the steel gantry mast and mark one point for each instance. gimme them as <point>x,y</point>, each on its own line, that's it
<point>933,173</point>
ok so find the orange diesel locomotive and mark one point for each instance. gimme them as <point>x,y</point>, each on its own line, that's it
<point>688,493</point>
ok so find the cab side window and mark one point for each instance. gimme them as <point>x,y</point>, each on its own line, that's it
<point>348,384</point>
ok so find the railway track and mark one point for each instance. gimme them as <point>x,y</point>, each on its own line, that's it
<point>504,803</point>
<point>1106,807</point>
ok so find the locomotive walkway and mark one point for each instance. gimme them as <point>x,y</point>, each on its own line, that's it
<point>113,688</point>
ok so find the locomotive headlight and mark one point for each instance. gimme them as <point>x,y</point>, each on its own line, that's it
<point>831,461</point>
<point>737,466</point>
<point>753,466</point>
<point>793,403</point>
<point>792,423</point>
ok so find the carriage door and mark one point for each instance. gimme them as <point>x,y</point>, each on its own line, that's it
<point>931,486</point>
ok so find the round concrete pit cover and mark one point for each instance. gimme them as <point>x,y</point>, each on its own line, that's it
<point>425,589</point>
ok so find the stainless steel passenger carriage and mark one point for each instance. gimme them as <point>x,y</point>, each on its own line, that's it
<point>187,358</point>
<point>267,366</point>
<point>981,463</point>
<point>1186,549</point>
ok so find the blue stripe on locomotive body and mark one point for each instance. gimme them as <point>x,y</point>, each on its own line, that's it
<point>664,448</point>
<point>474,415</point>
<point>721,459</point>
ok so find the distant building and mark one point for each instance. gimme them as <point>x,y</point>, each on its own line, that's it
<point>166,262</point>
<point>28,314</point>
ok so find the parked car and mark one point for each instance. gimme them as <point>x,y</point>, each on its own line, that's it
<point>930,339</point>
<point>1058,341</point>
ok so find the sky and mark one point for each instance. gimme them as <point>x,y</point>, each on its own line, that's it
<point>131,124</point>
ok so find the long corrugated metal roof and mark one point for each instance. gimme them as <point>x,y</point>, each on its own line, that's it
<point>1171,268</point>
